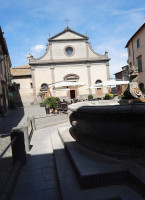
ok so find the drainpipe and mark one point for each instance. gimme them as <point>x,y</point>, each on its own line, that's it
<point>133,54</point>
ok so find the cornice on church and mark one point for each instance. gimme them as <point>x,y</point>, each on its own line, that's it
<point>67,29</point>
<point>91,55</point>
<point>103,60</point>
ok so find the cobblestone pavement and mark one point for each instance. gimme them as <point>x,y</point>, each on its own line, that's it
<point>38,178</point>
<point>18,117</point>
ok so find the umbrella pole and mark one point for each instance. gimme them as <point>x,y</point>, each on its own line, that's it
<point>49,92</point>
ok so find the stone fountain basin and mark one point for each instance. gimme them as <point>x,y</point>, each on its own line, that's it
<point>107,121</point>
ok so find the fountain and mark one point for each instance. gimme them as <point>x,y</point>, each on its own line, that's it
<point>106,145</point>
<point>109,127</point>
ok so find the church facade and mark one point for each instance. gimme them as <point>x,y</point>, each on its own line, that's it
<point>69,57</point>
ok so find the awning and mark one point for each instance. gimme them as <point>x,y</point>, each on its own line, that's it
<point>93,87</point>
<point>111,83</point>
<point>66,84</point>
<point>66,89</point>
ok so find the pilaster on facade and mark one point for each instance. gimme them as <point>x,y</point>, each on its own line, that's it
<point>89,78</point>
<point>51,54</point>
<point>87,50</point>
<point>34,84</point>
<point>52,69</point>
<point>108,71</point>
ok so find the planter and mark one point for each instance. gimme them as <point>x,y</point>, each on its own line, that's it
<point>54,111</point>
<point>42,105</point>
<point>47,109</point>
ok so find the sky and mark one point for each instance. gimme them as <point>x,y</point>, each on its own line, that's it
<point>109,25</point>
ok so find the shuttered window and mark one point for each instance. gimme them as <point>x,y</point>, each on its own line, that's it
<point>138,43</point>
<point>139,63</point>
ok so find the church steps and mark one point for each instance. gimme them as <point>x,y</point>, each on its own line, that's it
<point>92,171</point>
<point>68,181</point>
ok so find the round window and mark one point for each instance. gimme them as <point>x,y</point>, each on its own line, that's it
<point>69,51</point>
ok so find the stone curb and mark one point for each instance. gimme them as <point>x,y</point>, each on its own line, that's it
<point>51,124</point>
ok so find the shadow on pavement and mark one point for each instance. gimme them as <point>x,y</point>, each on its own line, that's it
<point>11,120</point>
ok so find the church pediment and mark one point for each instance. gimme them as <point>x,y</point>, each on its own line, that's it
<point>68,34</point>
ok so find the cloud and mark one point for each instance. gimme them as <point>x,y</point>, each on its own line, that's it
<point>38,48</point>
<point>124,55</point>
<point>126,12</point>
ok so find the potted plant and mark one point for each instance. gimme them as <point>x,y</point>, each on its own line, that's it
<point>90,97</point>
<point>52,103</point>
<point>47,108</point>
<point>109,96</point>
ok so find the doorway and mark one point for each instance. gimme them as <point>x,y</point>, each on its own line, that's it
<point>4,98</point>
<point>99,92</point>
<point>72,94</point>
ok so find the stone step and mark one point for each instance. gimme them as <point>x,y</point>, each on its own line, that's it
<point>70,188</point>
<point>87,165</point>
<point>92,170</point>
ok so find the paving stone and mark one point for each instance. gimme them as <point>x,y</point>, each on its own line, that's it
<point>47,195</point>
<point>41,183</point>
<point>24,196</point>
<point>39,174</point>
<point>35,186</point>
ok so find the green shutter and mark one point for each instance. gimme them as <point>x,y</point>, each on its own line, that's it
<point>138,43</point>
<point>139,61</point>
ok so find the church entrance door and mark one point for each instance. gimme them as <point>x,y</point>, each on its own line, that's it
<point>99,92</point>
<point>72,94</point>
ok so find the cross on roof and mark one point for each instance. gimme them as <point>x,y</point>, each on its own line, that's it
<point>67,20</point>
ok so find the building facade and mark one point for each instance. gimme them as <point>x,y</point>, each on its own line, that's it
<point>122,76</point>
<point>136,54</point>
<point>22,80</point>
<point>69,57</point>
<point>5,75</point>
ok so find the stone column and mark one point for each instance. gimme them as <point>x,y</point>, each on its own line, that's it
<point>87,50</point>
<point>34,84</point>
<point>108,71</point>
<point>89,78</point>
<point>53,77</point>
<point>51,55</point>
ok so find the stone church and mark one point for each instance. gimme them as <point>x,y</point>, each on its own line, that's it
<point>69,67</point>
